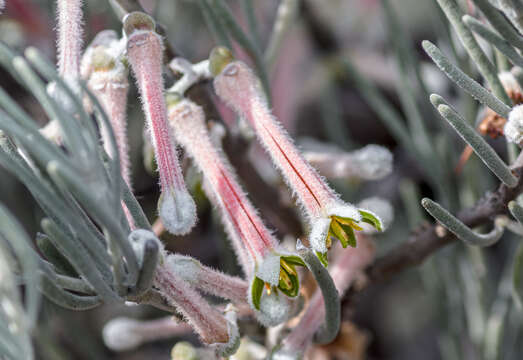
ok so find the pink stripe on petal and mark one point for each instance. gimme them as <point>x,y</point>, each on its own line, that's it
<point>238,87</point>
<point>188,121</point>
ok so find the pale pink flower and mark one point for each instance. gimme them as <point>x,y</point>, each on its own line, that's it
<point>256,247</point>
<point>214,328</point>
<point>107,77</point>
<point>108,80</point>
<point>145,51</point>
<point>328,216</point>
<point>69,40</point>
<point>207,279</point>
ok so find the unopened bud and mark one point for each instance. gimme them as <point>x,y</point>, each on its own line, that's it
<point>219,58</point>
<point>137,21</point>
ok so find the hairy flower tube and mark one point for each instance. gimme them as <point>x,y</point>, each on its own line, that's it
<point>69,39</point>
<point>214,328</point>
<point>108,81</point>
<point>144,52</point>
<point>343,271</point>
<point>208,280</point>
<point>69,55</point>
<point>273,269</point>
<point>328,216</point>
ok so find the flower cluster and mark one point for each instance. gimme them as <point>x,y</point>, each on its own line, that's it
<point>270,288</point>
<point>262,259</point>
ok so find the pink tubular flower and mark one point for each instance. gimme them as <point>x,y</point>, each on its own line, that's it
<point>69,48</point>
<point>214,328</point>
<point>69,38</point>
<point>208,280</point>
<point>250,236</point>
<point>106,77</point>
<point>343,271</point>
<point>327,214</point>
<point>108,82</point>
<point>144,51</point>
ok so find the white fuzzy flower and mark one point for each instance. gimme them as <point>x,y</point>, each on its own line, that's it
<point>514,127</point>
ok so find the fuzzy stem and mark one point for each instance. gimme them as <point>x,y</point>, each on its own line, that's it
<point>111,87</point>
<point>343,272</point>
<point>113,95</point>
<point>145,53</point>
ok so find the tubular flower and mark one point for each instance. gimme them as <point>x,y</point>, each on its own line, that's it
<point>144,51</point>
<point>328,216</point>
<point>217,329</point>
<point>268,266</point>
<point>106,74</point>
<point>108,81</point>
<point>208,280</point>
<point>213,327</point>
<point>69,55</point>
<point>69,38</point>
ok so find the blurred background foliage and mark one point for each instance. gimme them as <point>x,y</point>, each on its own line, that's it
<point>457,305</point>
